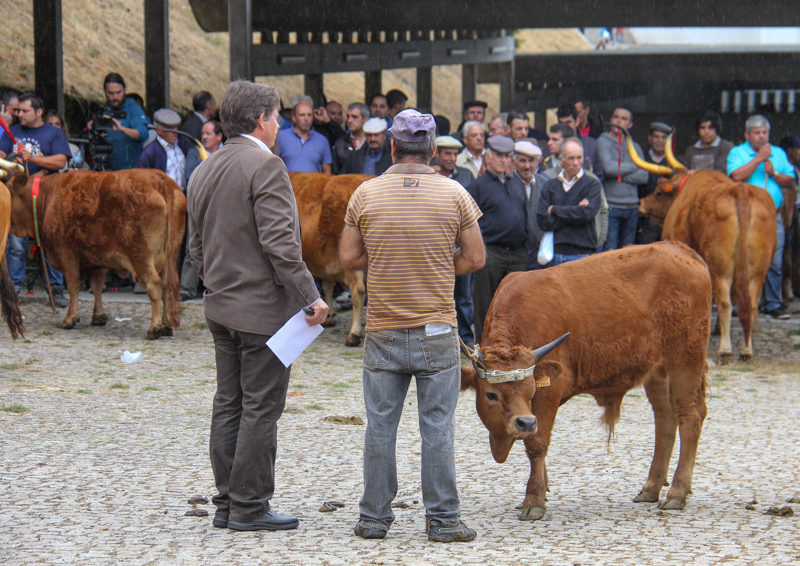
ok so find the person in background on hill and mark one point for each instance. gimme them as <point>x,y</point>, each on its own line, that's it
<point>128,134</point>
<point>41,147</point>
<point>205,106</point>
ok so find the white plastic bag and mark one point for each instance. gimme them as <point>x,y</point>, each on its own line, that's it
<point>546,250</point>
<point>131,357</point>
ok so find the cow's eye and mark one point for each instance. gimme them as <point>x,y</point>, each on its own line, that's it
<point>492,396</point>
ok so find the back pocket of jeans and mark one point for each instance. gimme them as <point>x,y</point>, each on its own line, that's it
<point>441,351</point>
<point>377,350</point>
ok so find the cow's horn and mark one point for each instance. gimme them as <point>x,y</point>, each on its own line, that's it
<point>539,353</point>
<point>641,163</point>
<point>8,165</point>
<point>674,163</point>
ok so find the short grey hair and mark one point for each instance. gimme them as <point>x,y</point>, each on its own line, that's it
<point>572,140</point>
<point>503,117</point>
<point>415,149</point>
<point>242,105</point>
<point>756,121</point>
<point>468,125</point>
<point>302,98</point>
<point>361,107</point>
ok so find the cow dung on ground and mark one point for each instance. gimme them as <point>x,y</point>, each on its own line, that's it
<point>344,420</point>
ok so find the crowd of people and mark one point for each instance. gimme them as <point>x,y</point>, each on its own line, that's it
<point>484,154</point>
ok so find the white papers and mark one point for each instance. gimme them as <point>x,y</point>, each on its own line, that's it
<point>295,336</point>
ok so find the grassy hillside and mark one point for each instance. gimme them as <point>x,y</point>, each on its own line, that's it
<point>101,36</point>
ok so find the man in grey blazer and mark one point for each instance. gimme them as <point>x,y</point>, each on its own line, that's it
<point>245,240</point>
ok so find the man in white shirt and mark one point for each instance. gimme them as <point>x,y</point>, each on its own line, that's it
<point>166,154</point>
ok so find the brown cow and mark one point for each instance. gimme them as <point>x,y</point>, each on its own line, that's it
<point>8,296</point>
<point>732,226</point>
<point>636,315</point>
<point>322,203</point>
<point>89,222</point>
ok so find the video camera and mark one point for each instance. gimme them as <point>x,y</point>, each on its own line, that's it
<point>96,141</point>
<point>103,115</point>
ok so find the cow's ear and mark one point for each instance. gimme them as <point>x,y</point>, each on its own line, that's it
<point>547,371</point>
<point>469,378</point>
<point>17,182</point>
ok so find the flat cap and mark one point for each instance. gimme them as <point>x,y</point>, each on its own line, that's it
<point>448,142</point>
<point>374,126</point>
<point>660,127</point>
<point>473,103</point>
<point>411,126</point>
<point>501,144</point>
<point>527,148</point>
<point>167,117</point>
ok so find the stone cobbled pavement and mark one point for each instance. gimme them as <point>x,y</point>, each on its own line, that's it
<point>100,468</point>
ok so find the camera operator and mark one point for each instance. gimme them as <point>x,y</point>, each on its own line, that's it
<point>127,124</point>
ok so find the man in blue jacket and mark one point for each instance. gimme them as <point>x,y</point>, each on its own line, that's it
<point>127,134</point>
<point>166,154</point>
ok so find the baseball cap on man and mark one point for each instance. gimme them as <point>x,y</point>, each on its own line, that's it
<point>167,117</point>
<point>374,126</point>
<point>411,126</point>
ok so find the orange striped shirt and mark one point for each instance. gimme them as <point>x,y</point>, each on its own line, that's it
<point>410,218</point>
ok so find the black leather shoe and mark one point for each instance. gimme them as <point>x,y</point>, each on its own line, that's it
<point>220,522</point>
<point>269,521</point>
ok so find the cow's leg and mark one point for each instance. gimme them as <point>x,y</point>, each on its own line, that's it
<point>746,352</point>
<point>327,290</point>
<point>96,279</point>
<point>689,400</point>
<point>355,280</point>
<point>722,296</point>
<point>534,505</point>
<point>148,276</point>
<point>72,277</point>
<point>165,298</point>
<point>656,385</point>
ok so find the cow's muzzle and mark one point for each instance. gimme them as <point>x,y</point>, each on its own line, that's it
<point>526,425</point>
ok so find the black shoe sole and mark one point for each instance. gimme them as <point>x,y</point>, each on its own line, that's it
<point>220,523</point>
<point>236,526</point>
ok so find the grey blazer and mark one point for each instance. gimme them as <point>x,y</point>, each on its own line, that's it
<point>245,239</point>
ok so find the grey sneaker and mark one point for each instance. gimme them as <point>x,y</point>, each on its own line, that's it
<point>370,529</point>
<point>439,532</point>
<point>58,296</point>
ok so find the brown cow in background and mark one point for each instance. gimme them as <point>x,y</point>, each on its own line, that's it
<point>8,296</point>
<point>130,221</point>
<point>639,315</point>
<point>322,203</point>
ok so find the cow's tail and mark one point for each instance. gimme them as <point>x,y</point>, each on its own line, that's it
<point>741,275</point>
<point>173,278</point>
<point>10,303</point>
<point>612,403</point>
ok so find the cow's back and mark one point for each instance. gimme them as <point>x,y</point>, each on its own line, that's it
<point>627,310</point>
<point>322,204</point>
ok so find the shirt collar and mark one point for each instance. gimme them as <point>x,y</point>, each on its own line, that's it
<point>259,143</point>
<point>410,169</point>
<point>569,184</point>
<point>654,158</point>
<point>715,143</point>
<point>164,143</point>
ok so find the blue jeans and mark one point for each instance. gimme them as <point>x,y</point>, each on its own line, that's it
<point>15,254</point>
<point>622,225</point>
<point>391,357</point>
<point>558,259</point>
<point>773,282</point>
<point>462,294</point>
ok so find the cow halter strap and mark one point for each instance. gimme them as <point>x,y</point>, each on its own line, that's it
<point>35,194</point>
<point>680,187</point>
<point>499,376</point>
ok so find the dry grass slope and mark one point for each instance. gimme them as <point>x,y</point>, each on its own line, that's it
<point>108,35</point>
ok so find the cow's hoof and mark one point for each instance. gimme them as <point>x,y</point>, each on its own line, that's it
<point>154,334</point>
<point>531,513</point>
<point>330,322</point>
<point>645,497</point>
<point>674,504</point>
<point>99,320</point>
<point>352,340</point>
<point>725,358</point>
<point>70,324</point>
<point>745,357</point>
<point>167,331</point>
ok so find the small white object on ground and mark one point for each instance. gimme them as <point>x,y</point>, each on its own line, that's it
<point>132,358</point>
<point>121,319</point>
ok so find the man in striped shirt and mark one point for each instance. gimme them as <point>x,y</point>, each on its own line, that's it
<point>402,227</point>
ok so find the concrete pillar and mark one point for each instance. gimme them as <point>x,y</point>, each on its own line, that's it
<point>425,89</point>
<point>372,85</point>
<point>469,82</point>
<point>240,30</point>
<point>48,59</point>
<point>313,87</point>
